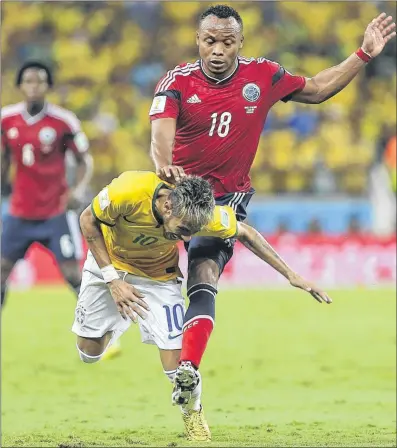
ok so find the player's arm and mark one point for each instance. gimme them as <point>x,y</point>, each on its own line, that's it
<point>329,82</point>
<point>163,114</point>
<point>91,230</point>
<point>84,170</point>
<point>105,209</point>
<point>77,142</point>
<point>255,242</point>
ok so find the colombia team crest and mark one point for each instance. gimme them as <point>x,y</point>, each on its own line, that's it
<point>251,92</point>
<point>47,136</point>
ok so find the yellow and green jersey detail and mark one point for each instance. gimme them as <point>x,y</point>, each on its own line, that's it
<point>133,231</point>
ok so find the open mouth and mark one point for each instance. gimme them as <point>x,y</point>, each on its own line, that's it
<point>217,63</point>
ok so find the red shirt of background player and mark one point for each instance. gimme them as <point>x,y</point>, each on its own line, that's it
<point>219,123</point>
<point>37,145</point>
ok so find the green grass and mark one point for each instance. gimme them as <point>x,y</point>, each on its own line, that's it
<point>281,370</point>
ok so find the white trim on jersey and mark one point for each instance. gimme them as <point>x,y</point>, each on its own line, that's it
<point>171,75</point>
<point>246,61</point>
<point>65,115</point>
<point>12,109</point>
<point>75,234</point>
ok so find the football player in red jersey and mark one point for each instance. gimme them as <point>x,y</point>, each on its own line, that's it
<point>207,118</point>
<point>35,136</point>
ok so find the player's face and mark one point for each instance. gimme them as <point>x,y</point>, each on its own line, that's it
<point>219,41</point>
<point>34,84</point>
<point>175,229</point>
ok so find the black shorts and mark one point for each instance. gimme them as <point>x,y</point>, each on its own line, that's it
<point>60,234</point>
<point>217,249</point>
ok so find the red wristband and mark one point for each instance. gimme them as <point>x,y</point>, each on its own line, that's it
<point>363,55</point>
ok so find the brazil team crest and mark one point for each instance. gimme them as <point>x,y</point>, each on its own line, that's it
<point>251,92</point>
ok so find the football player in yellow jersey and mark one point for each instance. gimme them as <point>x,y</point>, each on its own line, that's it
<point>131,273</point>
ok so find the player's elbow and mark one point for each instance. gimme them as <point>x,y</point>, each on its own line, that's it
<point>242,232</point>
<point>87,220</point>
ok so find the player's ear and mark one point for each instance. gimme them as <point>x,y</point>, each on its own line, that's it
<point>197,38</point>
<point>167,209</point>
<point>242,41</point>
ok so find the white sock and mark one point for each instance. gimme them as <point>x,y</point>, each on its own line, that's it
<point>195,401</point>
<point>171,375</point>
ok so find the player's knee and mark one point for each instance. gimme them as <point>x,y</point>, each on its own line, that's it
<point>203,270</point>
<point>89,351</point>
<point>201,301</point>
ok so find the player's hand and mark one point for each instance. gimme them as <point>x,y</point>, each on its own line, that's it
<point>316,292</point>
<point>129,300</point>
<point>74,201</point>
<point>171,173</point>
<point>380,31</point>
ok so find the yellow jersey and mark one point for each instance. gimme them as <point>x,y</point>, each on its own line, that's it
<point>133,230</point>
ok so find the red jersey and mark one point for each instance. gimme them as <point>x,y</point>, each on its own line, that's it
<point>37,146</point>
<point>219,123</point>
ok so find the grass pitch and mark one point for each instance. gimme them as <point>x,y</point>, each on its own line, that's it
<point>281,370</point>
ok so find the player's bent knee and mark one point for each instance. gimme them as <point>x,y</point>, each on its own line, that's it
<point>90,350</point>
<point>203,270</point>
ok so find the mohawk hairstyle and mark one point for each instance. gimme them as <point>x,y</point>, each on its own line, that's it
<point>222,12</point>
<point>193,202</point>
<point>37,65</point>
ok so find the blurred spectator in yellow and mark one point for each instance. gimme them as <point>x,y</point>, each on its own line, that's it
<point>108,56</point>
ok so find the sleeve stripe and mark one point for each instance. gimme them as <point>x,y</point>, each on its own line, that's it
<point>278,75</point>
<point>169,78</point>
<point>173,94</point>
<point>96,217</point>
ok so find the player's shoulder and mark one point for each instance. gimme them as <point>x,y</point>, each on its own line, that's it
<point>223,217</point>
<point>257,63</point>
<point>178,74</point>
<point>12,110</point>
<point>64,115</point>
<point>137,184</point>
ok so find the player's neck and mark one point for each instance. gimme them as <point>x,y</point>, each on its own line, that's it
<point>34,107</point>
<point>222,76</point>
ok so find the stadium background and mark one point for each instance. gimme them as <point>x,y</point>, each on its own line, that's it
<point>325,177</point>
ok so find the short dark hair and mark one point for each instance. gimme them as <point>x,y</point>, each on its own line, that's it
<point>37,65</point>
<point>222,12</point>
<point>192,200</point>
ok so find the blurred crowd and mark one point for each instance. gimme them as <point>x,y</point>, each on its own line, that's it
<point>108,56</point>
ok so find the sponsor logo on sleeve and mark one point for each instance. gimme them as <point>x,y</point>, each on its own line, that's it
<point>158,105</point>
<point>225,221</point>
<point>103,198</point>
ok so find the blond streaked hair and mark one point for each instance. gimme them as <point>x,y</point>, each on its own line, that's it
<point>192,201</point>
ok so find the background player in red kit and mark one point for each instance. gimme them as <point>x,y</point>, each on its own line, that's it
<point>35,136</point>
<point>207,118</point>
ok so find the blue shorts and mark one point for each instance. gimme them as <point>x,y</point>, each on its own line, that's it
<point>60,234</point>
<point>217,249</point>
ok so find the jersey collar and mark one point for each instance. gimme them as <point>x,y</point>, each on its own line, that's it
<point>215,80</point>
<point>32,119</point>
